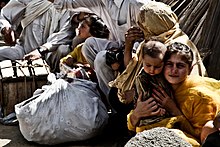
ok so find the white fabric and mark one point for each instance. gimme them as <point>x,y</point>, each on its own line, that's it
<point>93,46</point>
<point>50,29</point>
<point>94,51</point>
<point>53,58</point>
<point>62,112</point>
<point>118,19</point>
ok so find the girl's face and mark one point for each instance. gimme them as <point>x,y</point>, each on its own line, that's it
<point>152,66</point>
<point>176,70</point>
<point>84,30</point>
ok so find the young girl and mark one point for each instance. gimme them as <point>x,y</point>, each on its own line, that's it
<point>90,26</point>
<point>197,97</point>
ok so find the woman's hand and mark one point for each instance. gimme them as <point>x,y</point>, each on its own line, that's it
<point>132,35</point>
<point>145,109</point>
<point>166,101</point>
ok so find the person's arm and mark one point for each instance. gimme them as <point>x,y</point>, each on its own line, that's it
<point>204,110</point>
<point>12,14</point>
<point>143,109</point>
<point>72,57</point>
<point>207,129</point>
<point>210,127</point>
<point>34,55</point>
<point>63,34</point>
<point>10,18</point>
<point>198,108</point>
<point>133,34</point>
<point>166,101</point>
<point>169,104</point>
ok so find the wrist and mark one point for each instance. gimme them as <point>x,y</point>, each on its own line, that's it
<point>175,112</point>
<point>42,51</point>
<point>134,119</point>
<point>129,43</point>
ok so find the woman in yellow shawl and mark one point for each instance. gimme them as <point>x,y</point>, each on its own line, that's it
<point>158,21</point>
<point>198,98</point>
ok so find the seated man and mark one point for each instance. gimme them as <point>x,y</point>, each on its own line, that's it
<point>43,28</point>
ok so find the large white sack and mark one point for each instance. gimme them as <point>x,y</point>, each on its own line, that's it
<point>62,112</point>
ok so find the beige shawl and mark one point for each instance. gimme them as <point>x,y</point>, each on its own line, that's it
<point>157,20</point>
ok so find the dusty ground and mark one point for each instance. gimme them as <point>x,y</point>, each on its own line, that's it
<point>10,136</point>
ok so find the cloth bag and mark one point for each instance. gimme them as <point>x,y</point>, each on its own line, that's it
<point>62,112</point>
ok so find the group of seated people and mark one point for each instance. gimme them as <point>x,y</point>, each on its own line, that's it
<point>156,69</point>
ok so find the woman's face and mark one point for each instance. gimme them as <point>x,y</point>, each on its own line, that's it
<point>152,66</point>
<point>84,30</point>
<point>176,70</point>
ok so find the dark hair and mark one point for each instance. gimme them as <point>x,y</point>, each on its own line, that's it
<point>114,55</point>
<point>153,48</point>
<point>97,27</point>
<point>181,49</point>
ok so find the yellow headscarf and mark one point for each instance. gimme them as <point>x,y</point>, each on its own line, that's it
<point>158,21</point>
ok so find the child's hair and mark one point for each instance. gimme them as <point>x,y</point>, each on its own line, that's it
<point>153,49</point>
<point>181,49</point>
<point>114,55</point>
<point>97,27</point>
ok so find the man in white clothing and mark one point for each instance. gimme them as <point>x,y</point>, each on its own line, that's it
<point>44,30</point>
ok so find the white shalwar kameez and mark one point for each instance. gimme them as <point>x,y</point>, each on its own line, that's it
<point>52,30</point>
<point>119,16</point>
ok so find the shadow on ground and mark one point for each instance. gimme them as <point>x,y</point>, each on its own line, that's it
<point>113,136</point>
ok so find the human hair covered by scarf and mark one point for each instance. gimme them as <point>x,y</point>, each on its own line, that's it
<point>159,22</point>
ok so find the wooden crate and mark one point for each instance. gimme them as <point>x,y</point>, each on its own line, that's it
<point>18,82</point>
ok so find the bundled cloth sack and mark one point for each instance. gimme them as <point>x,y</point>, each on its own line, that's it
<point>62,112</point>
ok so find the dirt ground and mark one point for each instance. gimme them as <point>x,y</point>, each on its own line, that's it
<point>10,136</point>
<point>113,136</point>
